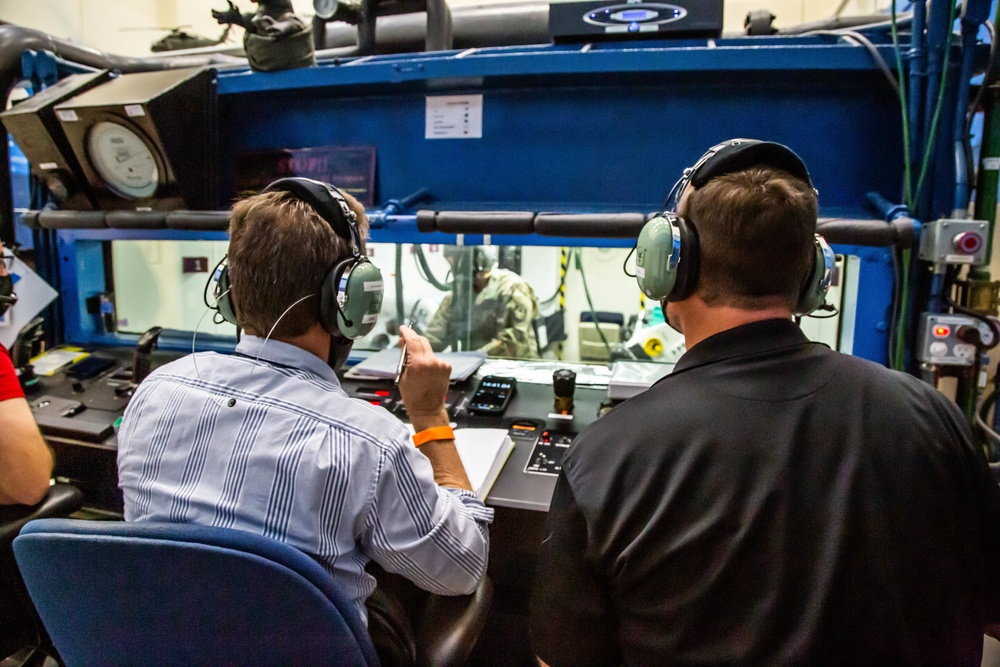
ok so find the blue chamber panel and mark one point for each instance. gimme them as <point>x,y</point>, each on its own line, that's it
<point>573,128</point>
<point>607,141</point>
<point>20,183</point>
<point>874,305</point>
<point>80,278</point>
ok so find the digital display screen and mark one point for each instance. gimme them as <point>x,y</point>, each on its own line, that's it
<point>636,14</point>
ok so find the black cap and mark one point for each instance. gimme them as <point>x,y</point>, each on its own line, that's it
<point>739,154</point>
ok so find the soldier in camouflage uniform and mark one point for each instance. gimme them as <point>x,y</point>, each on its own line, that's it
<point>503,309</point>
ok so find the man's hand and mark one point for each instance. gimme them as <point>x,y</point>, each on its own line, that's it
<point>424,382</point>
<point>422,387</point>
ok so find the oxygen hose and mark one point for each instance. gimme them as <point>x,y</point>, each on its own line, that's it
<point>590,304</point>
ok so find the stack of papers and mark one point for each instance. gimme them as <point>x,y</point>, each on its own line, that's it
<point>630,378</point>
<point>49,362</point>
<point>382,365</point>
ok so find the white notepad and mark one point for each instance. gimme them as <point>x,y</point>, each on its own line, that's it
<point>484,452</point>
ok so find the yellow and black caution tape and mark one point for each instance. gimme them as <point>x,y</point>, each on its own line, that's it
<point>563,264</point>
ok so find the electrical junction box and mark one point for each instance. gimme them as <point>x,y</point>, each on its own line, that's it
<point>955,242</point>
<point>943,339</point>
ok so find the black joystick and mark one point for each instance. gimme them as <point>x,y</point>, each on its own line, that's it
<point>28,340</point>
<point>564,384</point>
<point>141,363</point>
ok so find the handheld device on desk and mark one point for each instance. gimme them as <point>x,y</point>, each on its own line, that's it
<point>89,367</point>
<point>492,395</point>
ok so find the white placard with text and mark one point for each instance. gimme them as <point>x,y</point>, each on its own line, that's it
<point>454,117</point>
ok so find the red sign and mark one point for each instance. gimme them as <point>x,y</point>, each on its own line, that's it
<point>349,168</point>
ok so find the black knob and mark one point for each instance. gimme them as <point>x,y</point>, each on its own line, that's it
<point>564,383</point>
<point>969,334</point>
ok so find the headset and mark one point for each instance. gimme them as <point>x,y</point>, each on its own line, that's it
<point>484,257</point>
<point>350,297</point>
<point>667,251</point>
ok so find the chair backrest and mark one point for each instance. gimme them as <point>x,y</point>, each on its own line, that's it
<point>19,623</point>
<point>159,593</point>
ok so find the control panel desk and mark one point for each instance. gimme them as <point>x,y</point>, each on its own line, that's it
<point>527,420</point>
<point>86,445</point>
<point>520,498</point>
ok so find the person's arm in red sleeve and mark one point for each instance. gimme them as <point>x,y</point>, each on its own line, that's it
<point>25,460</point>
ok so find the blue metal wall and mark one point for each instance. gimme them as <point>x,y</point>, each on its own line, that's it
<point>582,131</point>
<point>567,128</point>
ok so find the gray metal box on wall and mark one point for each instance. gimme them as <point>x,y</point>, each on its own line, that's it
<point>955,242</point>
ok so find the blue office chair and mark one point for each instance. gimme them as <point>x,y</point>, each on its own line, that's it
<point>23,640</point>
<point>158,594</point>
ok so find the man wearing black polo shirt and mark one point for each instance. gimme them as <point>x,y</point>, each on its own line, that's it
<point>771,501</point>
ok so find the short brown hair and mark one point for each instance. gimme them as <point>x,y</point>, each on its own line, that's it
<point>755,229</point>
<point>280,249</point>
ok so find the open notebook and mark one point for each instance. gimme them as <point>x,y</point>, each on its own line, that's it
<point>484,452</point>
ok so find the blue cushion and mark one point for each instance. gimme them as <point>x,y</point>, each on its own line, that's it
<point>157,593</point>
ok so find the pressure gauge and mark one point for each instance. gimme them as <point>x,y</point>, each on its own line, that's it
<point>123,160</point>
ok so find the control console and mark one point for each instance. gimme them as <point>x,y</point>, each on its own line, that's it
<point>547,454</point>
<point>951,340</point>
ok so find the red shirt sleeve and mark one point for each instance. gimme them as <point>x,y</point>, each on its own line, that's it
<point>9,385</point>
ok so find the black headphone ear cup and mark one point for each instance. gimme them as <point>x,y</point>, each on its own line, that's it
<point>687,266</point>
<point>224,295</point>
<point>351,298</point>
<point>814,290</point>
<point>329,305</point>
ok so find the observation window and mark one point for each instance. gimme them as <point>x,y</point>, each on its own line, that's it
<point>523,302</point>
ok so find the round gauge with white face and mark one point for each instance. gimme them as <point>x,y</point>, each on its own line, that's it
<point>123,160</point>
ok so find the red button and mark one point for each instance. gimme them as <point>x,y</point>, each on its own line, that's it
<point>968,242</point>
<point>942,332</point>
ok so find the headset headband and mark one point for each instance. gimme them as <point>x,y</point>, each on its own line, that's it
<point>736,155</point>
<point>328,202</point>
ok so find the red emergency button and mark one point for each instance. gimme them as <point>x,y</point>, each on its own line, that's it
<point>942,331</point>
<point>968,243</point>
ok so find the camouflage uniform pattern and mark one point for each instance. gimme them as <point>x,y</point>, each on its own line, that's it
<point>501,322</point>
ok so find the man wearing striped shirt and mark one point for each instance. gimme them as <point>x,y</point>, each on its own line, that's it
<point>266,440</point>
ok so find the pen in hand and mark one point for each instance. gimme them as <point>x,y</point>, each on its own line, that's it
<point>402,363</point>
<point>401,366</point>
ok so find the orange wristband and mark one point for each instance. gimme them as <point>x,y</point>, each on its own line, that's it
<point>431,434</point>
